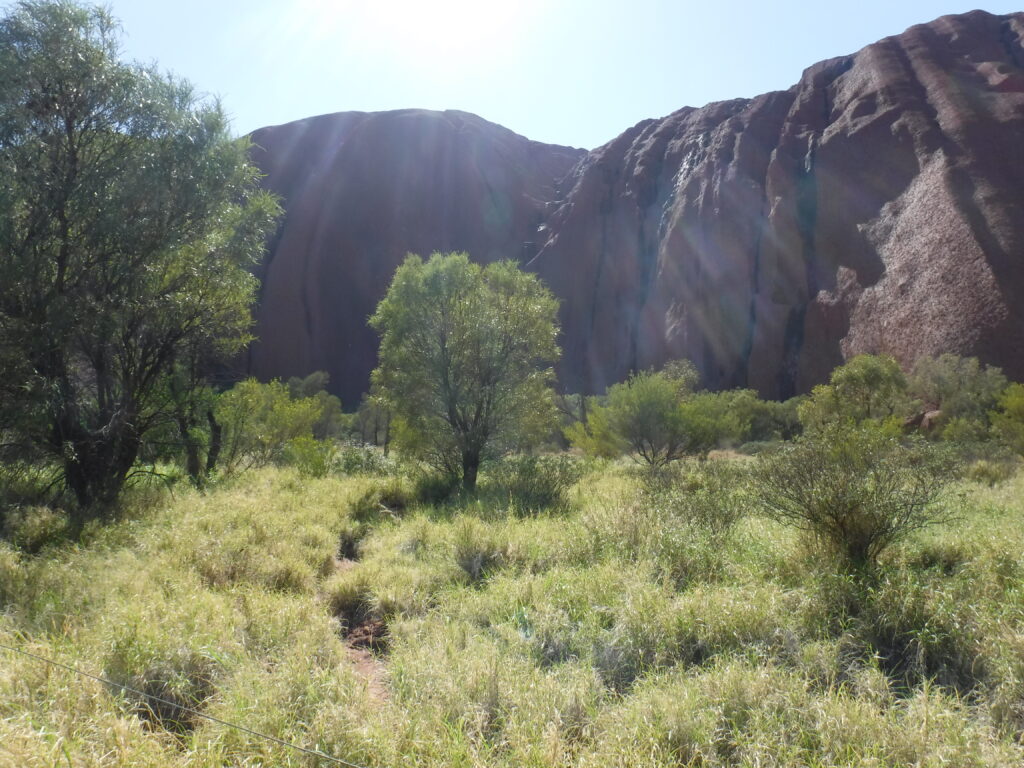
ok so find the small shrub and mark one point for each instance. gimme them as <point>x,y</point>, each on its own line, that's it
<point>364,460</point>
<point>856,490</point>
<point>434,487</point>
<point>708,496</point>
<point>536,483</point>
<point>170,686</point>
<point>26,484</point>
<point>991,472</point>
<point>311,457</point>
<point>389,497</point>
<point>756,447</point>
<point>917,636</point>
<point>32,528</point>
<point>477,549</point>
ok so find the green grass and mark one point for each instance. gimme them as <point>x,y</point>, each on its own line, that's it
<point>608,630</point>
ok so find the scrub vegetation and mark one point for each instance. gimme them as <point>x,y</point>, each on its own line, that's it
<point>623,619</point>
<point>470,569</point>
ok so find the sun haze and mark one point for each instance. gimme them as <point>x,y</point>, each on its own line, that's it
<point>573,72</point>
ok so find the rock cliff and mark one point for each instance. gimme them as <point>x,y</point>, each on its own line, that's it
<point>875,206</point>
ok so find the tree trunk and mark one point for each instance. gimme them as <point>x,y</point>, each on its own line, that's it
<point>192,463</point>
<point>97,466</point>
<point>470,466</point>
<point>216,441</point>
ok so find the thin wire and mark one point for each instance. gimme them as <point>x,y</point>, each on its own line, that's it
<point>183,708</point>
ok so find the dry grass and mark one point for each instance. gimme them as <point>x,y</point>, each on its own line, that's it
<point>609,632</point>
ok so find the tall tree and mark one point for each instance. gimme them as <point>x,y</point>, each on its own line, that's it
<point>465,359</point>
<point>129,219</point>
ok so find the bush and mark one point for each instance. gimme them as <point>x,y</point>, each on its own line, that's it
<point>260,421</point>
<point>32,528</point>
<point>708,497</point>
<point>389,497</point>
<point>991,472</point>
<point>364,460</point>
<point>434,487</point>
<point>868,388</point>
<point>535,483</point>
<point>477,549</point>
<point>856,490</point>
<point>25,483</point>
<point>311,457</point>
<point>963,389</point>
<point>1008,419</point>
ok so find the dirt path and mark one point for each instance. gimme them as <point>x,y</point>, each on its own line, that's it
<point>363,645</point>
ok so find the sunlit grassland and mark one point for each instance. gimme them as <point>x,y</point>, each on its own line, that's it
<point>608,633</point>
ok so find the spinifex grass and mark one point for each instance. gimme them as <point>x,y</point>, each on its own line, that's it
<point>609,630</point>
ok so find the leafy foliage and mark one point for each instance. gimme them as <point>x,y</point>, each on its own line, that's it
<point>535,483</point>
<point>261,421</point>
<point>961,387</point>
<point>465,359</point>
<point>857,490</point>
<point>129,219</point>
<point>868,388</point>
<point>1008,419</point>
<point>656,417</point>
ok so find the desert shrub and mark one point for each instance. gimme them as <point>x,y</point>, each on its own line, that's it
<point>657,418</point>
<point>364,460</point>
<point>962,388</point>
<point>478,549</point>
<point>332,422</point>
<point>535,483</point>
<point>593,436</point>
<point>868,388</point>
<point>27,483</point>
<point>1008,418</point>
<point>259,422</point>
<point>388,497</point>
<point>963,431</point>
<point>311,457</point>
<point>433,488</point>
<point>32,528</point>
<point>916,634</point>
<point>991,472</point>
<point>708,496</point>
<point>755,447</point>
<point>855,490</point>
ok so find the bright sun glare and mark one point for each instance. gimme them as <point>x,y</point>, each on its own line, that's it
<point>409,28</point>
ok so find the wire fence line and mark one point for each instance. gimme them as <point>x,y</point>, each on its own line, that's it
<point>182,708</point>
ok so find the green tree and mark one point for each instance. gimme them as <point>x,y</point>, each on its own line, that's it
<point>867,388</point>
<point>644,413</point>
<point>332,422</point>
<point>594,435</point>
<point>1008,418</point>
<point>655,416</point>
<point>465,359</point>
<point>129,220</point>
<point>963,389</point>
<point>260,420</point>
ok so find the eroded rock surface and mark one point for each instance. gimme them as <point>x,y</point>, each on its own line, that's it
<point>875,206</point>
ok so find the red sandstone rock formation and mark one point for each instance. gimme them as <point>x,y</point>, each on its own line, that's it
<point>876,206</point>
<point>360,192</point>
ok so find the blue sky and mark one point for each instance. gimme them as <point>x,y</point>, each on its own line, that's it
<point>562,71</point>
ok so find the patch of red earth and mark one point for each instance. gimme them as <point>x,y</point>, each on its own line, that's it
<point>371,633</point>
<point>364,643</point>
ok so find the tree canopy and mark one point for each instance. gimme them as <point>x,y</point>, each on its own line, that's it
<point>466,359</point>
<point>129,220</point>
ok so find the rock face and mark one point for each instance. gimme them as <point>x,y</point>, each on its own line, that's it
<point>876,206</point>
<point>363,190</point>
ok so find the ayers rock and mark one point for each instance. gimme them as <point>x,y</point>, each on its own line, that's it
<point>875,206</point>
